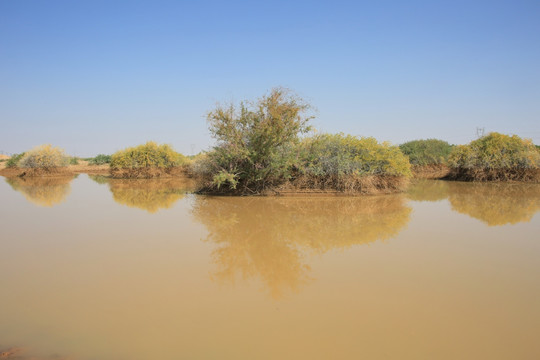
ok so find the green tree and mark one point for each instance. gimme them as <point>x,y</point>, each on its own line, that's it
<point>426,152</point>
<point>255,142</point>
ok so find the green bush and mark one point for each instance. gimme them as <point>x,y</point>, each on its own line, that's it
<point>256,143</point>
<point>100,159</point>
<point>73,161</point>
<point>149,155</point>
<point>495,157</point>
<point>44,157</point>
<point>339,154</point>
<point>13,161</point>
<point>426,152</point>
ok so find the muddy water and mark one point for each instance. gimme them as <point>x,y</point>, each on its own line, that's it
<point>99,269</point>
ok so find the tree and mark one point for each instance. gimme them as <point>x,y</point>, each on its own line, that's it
<point>255,142</point>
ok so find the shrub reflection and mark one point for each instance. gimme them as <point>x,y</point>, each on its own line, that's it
<point>428,190</point>
<point>495,204</point>
<point>269,238</point>
<point>147,194</point>
<point>43,191</point>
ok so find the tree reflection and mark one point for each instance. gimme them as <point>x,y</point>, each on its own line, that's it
<point>495,203</point>
<point>268,238</point>
<point>43,191</point>
<point>428,190</point>
<point>147,194</point>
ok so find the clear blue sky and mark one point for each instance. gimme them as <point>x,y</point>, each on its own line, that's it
<point>96,76</point>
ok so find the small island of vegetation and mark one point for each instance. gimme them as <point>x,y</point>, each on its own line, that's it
<point>147,161</point>
<point>495,157</point>
<point>260,150</point>
<point>268,147</point>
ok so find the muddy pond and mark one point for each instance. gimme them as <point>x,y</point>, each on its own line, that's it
<point>93,268</point>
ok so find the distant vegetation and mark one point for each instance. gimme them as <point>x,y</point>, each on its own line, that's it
<point>44,157</point>
<point>146,161</point>
<point>14,160</point>
<point>100,159</point>
<point>495,157</point>
<point>426,152</point>
<point>260,148</point>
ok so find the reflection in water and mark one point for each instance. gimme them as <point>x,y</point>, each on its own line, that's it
<point>495,203</point>
<point>268,237</point>
<point>428,190</point>
<point>43,191</point>
<point>147,194</point>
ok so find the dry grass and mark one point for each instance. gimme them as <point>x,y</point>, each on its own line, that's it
<point>435,171</point>
<point>346,184</point>
<point>508,174</point>
<point>81,168</point>
<point>149,172</point>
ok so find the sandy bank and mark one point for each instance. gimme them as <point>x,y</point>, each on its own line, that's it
<point>430,171</point>
<point>82,168</point>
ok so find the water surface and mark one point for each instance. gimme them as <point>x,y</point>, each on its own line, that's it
<point>94,268</point>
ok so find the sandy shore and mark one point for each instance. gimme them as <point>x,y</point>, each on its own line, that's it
<point>82,168</point>
<point>17,353</point>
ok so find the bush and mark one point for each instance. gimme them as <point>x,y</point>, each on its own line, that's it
<point>100,159</point>
<point>256,142</point>
<point>495,157</point>
<point>348,163</point>
<point>426,152</point>
<point>73,161</point>
<point>44,157</point>
<point>13,161</point>
<point>148,160</point>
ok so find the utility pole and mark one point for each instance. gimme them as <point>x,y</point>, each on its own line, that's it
<point>480,132</point>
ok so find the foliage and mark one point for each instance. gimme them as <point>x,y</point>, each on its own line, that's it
<point>149,155</point>
<point>256,142</point>
<point>100,159</point>
<point>426,152</point>
<point>14,160</point>
<point>44,157</point>
<point>495,156</point>
<point>339,154</point>
<point>73,161</point>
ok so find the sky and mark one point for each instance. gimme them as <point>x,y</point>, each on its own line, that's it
<point>97,76</point>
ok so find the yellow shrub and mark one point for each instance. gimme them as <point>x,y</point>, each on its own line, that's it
<point>496,151</point>
<point>495,157</point>
<point>44,157</point>
<point>149,155</point>
<point>339,154</point>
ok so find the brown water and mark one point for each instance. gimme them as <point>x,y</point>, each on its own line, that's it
<point>103,269</point>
